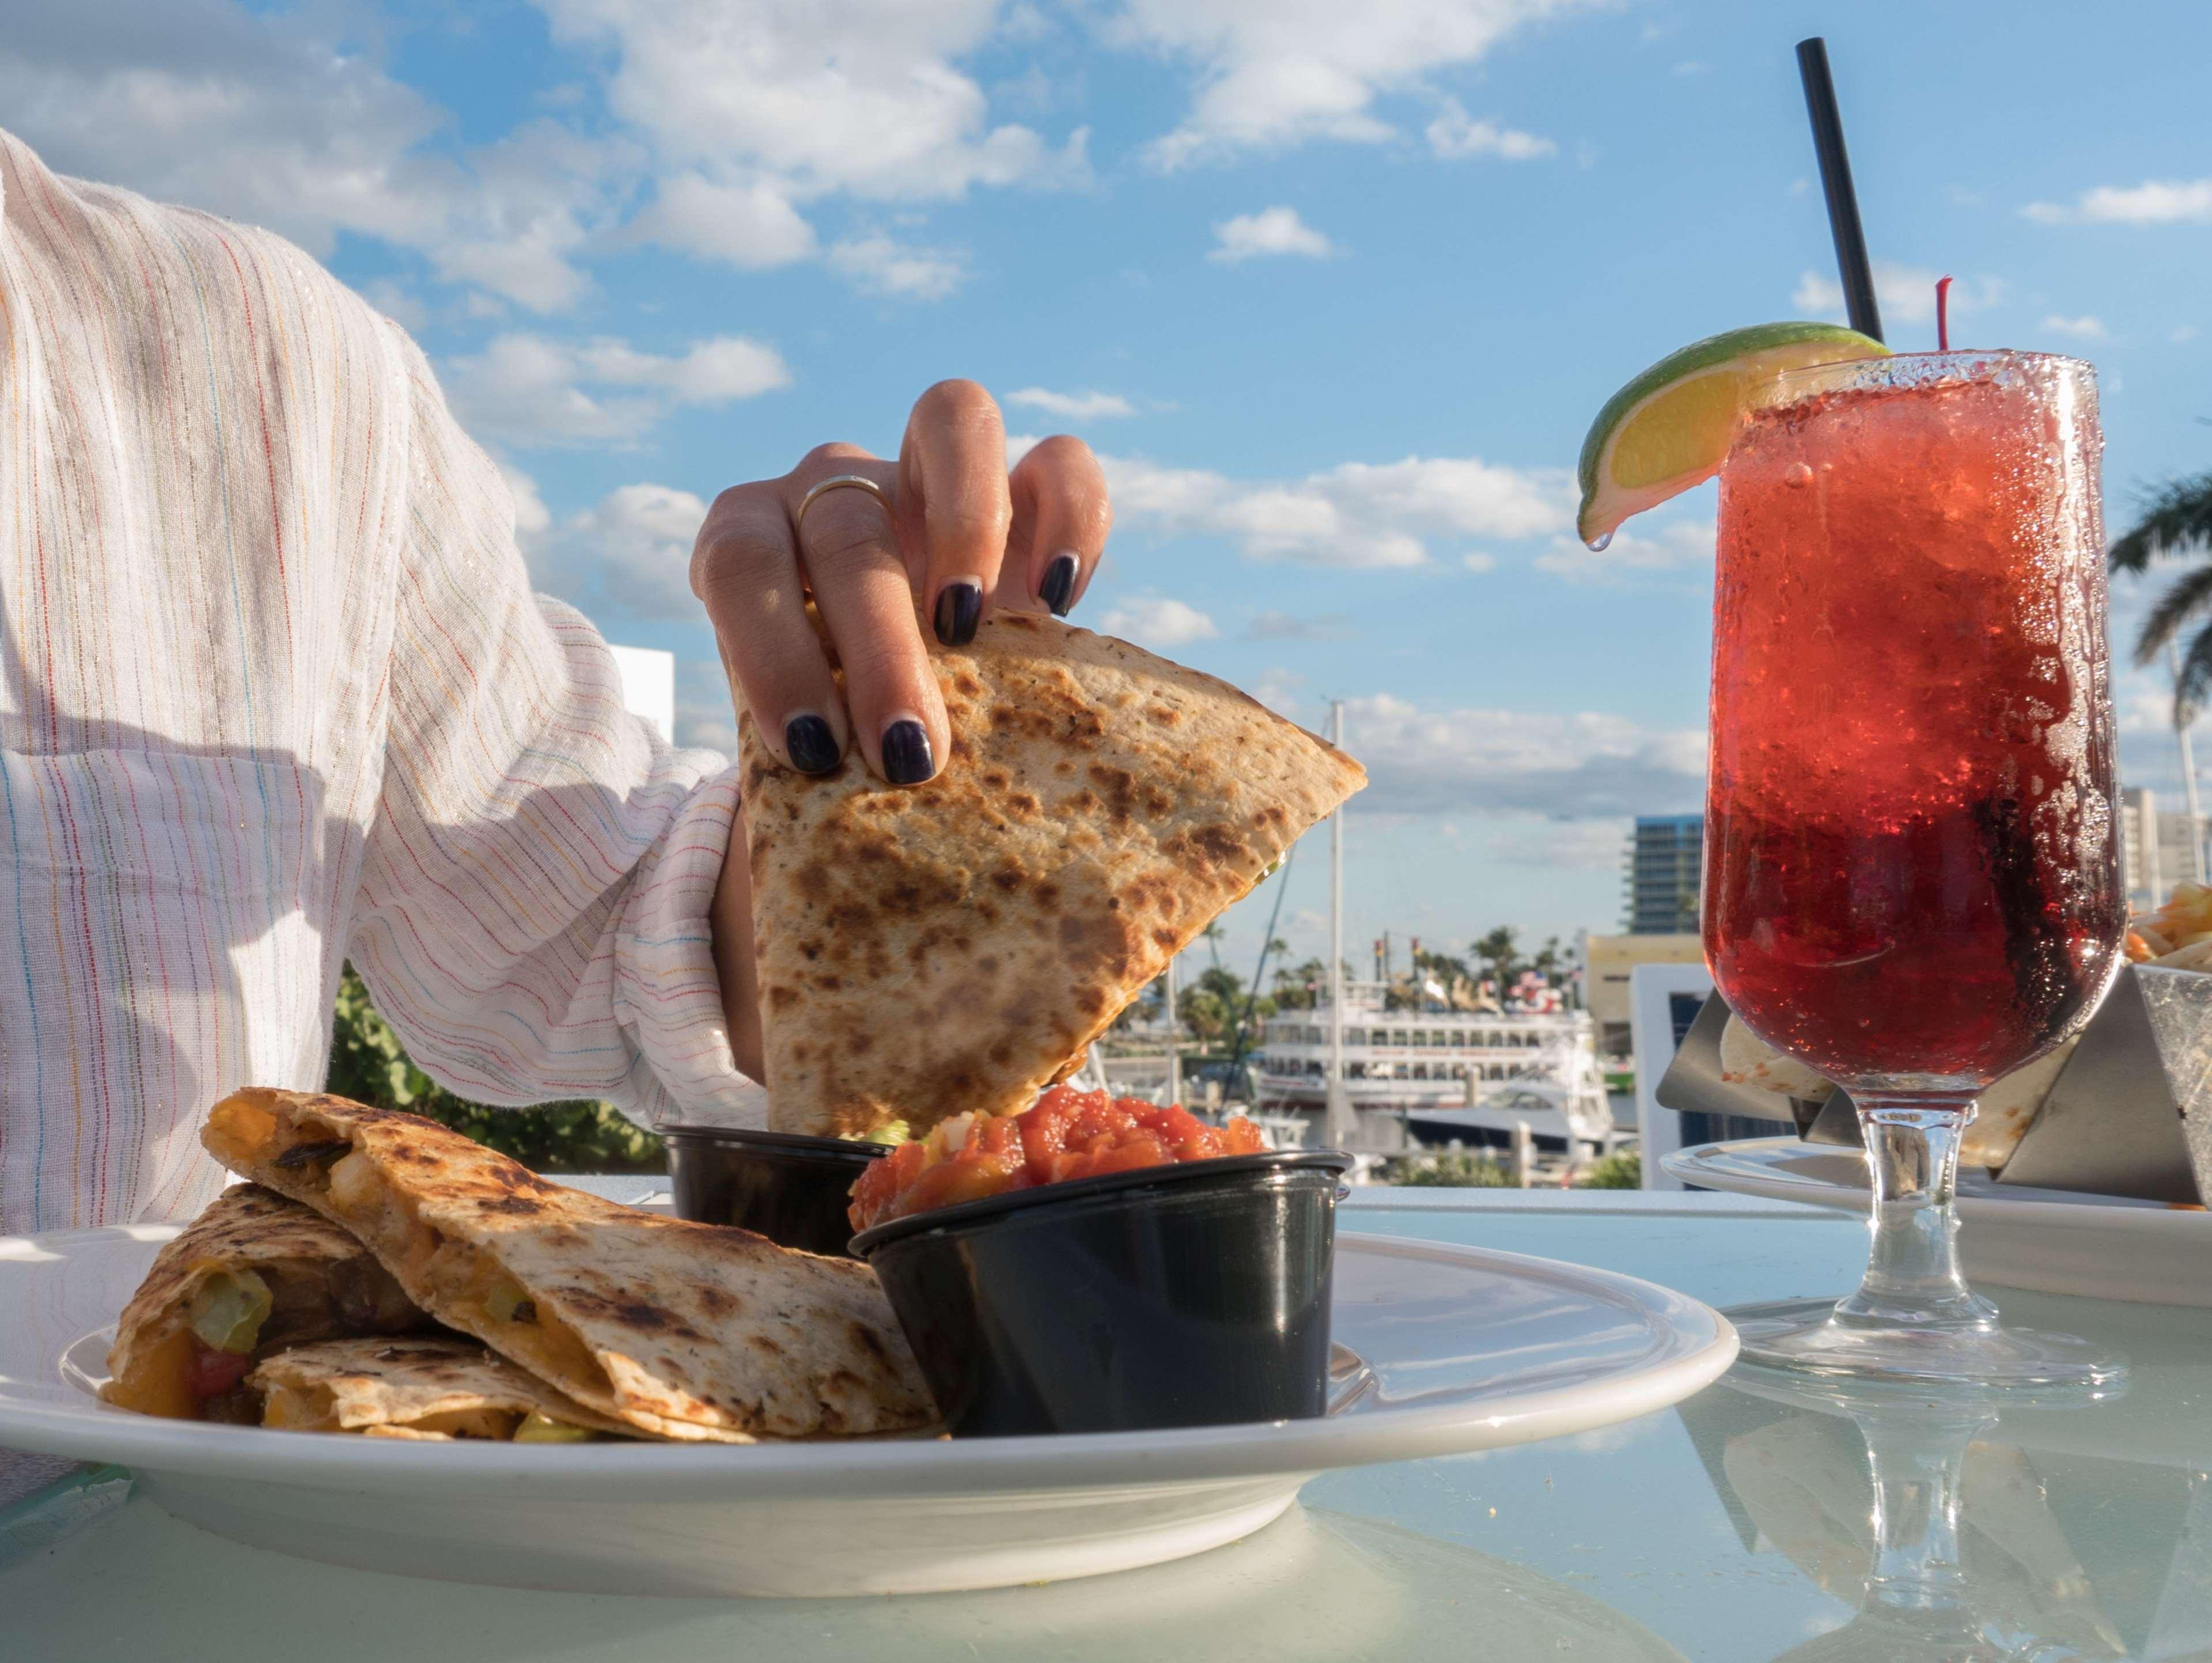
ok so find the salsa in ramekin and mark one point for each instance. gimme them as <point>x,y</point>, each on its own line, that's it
<point>1067,1134</point>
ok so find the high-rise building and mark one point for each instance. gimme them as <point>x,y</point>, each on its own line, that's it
<point>2155,848</point>
<point>1666,855</point>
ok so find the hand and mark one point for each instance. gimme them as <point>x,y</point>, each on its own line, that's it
<point>961,537</point>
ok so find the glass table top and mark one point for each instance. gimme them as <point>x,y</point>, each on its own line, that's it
<point>1757,1521</point>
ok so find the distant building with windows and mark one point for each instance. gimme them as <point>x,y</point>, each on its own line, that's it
<point>1666,855</point>
<point>2155,848</point>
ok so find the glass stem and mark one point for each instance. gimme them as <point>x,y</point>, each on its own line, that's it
<point>1913,1277</point>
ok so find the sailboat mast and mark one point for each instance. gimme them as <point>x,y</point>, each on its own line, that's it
<point>1339,1109</point>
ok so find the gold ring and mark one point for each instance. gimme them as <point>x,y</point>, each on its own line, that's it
<point>836,482</point>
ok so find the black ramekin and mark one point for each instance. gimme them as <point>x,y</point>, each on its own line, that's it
<point>1190,1295</point>
<point>791,1189</point>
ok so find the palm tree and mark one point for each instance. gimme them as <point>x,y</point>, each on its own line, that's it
<point>2179,519</point>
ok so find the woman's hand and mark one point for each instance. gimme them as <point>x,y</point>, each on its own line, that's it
<point>961,536</point>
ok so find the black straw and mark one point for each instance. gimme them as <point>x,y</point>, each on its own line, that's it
<point>1836,181</point>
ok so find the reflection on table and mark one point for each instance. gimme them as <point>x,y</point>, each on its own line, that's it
<point>1951,1533</point>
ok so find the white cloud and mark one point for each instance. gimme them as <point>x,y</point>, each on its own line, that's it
<point>1519,762</point>
<point>1270,231</point>
<point>1665,547</point>
<point>1277,689</point>
<point>1285,627</point>
<point>881,265</point>
<point>2155,202</point>
<point>706,715</point>
<point>1905,294</point>
<point>1072,406</point>
<point>2184,333</point>
<point>628,556</point>
<point>749,224</point>
<point>754,109</point>
<point>1595,845</point>
<point>2085,327</point>
<point>528,390</point>
<point>1155,620</point>
<point>1453,136</point>
<point>1478,562</point>
<point>280,119</point>
<point>1359,515</point>
<point>1272,73</point>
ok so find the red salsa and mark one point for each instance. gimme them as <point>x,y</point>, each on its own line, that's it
<point>1067,1134</point>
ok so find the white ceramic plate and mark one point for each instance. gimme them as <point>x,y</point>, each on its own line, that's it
<point>2052,1241</point>
<point>1457,1348</point>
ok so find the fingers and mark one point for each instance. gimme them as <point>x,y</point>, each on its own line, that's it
<point>851,551</point>
<point>744,568</point>
<point>1061,517</point>
<point>953,504</point>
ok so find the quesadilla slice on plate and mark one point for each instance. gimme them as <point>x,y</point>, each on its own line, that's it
<point>681,1330</point>
<point>954,947</point>
<point>252,1274</point>
<point>419,1389</point>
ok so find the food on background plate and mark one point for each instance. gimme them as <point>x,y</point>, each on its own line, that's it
<point>1068,1134</point>
<point>426,1387</point>
<point>953,948</point>
<point>252,1274</point>
<point>681,1330</point>
<point>2177,936</point>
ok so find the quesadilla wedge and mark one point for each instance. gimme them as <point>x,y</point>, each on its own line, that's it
<point>426,1387</point>
<point>953,947</point>
<point>681,1330</point>
<point>252,1274</point>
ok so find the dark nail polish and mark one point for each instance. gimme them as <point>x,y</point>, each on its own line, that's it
<point>1058,589</point>
<point>907,761</point>
<point>959,609</point>
<point>810,743</point>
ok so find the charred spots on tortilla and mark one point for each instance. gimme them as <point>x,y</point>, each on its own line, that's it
<point>781,997</point>
<point>321,1153</point>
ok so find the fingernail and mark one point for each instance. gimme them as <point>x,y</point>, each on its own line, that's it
<point>959,609</point>
<point>811,744</point>
<point>1058,589</point>
<point>907,761</point>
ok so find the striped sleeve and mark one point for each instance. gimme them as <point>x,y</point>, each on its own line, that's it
<point>532,915</point>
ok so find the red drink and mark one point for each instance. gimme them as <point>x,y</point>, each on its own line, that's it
<point>1911,879</point>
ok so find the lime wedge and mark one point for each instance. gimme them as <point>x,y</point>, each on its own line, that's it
<point>1669,428</point>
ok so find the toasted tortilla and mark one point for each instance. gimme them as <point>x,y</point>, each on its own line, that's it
<point>927,951</point>
<point>322,1285</point>
<point>681,1330</point>
<point>416,1388</point>
<point>2002,1113</point>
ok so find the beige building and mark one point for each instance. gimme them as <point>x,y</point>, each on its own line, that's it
<point>1606,961</point>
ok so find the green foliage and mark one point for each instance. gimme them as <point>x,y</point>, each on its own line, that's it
<point>1500,953</point>
<point>369,1065</point>
<point>1455,1170</point>
<point>1623,1169</point>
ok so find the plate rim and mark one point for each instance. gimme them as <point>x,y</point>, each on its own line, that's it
<point>1695,1345</point>
<point>1700,1164</point>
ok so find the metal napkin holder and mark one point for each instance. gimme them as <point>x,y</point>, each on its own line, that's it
<point>2130,1114</point>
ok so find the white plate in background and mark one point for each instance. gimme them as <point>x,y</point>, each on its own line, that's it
<point>2052,1242</point>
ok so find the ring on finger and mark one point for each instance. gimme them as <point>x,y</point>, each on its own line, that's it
<point>822,488</point>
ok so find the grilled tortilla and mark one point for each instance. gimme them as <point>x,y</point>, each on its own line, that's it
<point>426,1387</point>
<point>250,1251</point>
<point>681,1330</point>
<point>956,946</point>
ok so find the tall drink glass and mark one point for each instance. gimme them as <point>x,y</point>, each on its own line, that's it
<point>1911,882</point>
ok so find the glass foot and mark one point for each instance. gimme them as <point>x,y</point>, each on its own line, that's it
<point>1808,1335</point>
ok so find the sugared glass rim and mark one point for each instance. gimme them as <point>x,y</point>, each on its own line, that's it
<point>1912,369</point>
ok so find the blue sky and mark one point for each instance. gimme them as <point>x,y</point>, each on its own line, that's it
<point>1334,289</point>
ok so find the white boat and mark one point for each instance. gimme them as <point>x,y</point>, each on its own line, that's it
<point>1458,1071</point>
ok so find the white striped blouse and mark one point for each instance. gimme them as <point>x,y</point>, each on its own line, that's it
<point>275,692</point>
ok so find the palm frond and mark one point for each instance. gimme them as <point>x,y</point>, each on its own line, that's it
<point>2189,594</point>
<point>2180,515</point>
<point>2196,677</point>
